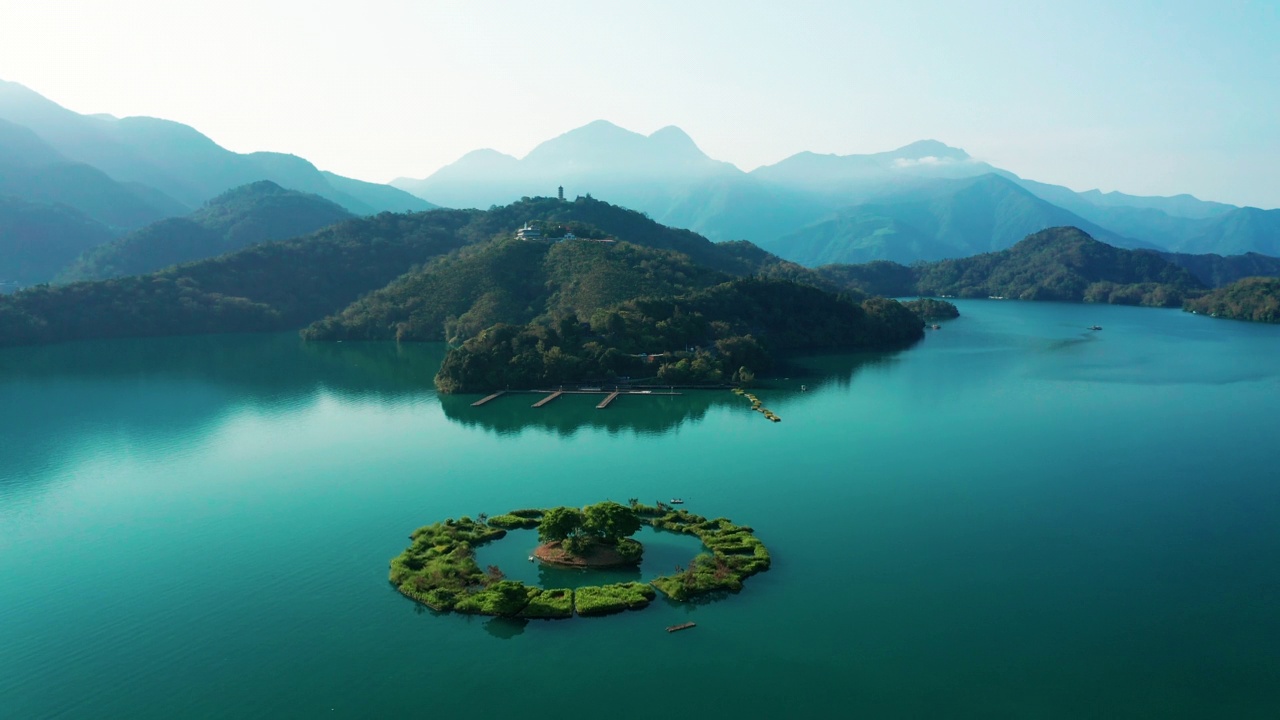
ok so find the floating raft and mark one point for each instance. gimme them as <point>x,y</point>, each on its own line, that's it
<point>682,626</point>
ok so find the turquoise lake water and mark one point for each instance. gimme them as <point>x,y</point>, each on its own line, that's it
<point>1017,518</point>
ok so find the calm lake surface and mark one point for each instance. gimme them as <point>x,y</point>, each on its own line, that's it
<point>1017,518</point>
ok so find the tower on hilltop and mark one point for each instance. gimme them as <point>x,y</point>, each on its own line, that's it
<point>561,194</point>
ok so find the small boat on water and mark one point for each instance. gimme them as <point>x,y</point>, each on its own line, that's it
<point>1095,327</point>
<point>681,626</point>
<point>804,388</point>
<point>937,327</point>
<point>677,501</point>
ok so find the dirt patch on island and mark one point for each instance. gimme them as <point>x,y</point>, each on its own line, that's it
<point>596,556</point>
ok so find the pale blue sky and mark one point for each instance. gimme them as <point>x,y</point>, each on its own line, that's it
<point>1144,97</point>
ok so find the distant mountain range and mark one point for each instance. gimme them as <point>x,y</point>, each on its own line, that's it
<point>238,218</point>
<point>924,201</point>
<point>169,164</point>
<point>69,182</point>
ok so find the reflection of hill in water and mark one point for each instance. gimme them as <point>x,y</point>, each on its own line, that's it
<point>139,391</point>
<point>71,398</point>
<point>646,414</point>
<point>650,414</point>
<point>263,368</point>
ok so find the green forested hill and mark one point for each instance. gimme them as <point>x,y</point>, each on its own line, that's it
<point>878,277</point>
<point>735,258</point>
<point>1063,264</point>
<point>271,286</point>
<point>238,218</point>
<point>290,284</point>
<point>36,240</point>
<point>1066,265</point>
<point>512,281</point>
<point>1256,299</point>
<point>1219,270</point>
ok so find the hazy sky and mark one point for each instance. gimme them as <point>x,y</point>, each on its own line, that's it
<point>1144,97</point>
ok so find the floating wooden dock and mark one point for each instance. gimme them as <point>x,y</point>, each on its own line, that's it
<point>548,398</point>
<point>484,400</point>
<point>605,402</point>
<point>682,626</point>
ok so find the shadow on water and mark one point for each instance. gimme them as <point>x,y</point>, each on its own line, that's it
<point>505,628</point>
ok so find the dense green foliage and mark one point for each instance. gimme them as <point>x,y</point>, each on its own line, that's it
<point>37,241</point>
<point>1256,299</point>
<point>560,523</point>
<point>290,283</point>
<point>609,599</point>
<point>1218,270</point>
<point>439,567</point>
<point>878,277</point>
<point>932,309</point>
<point>511,281</point>
<point>705,337</point>
<point>736,554</point>
<point>1061,264</point>
<point>513,522</point>
<point>1065,265</point>
<point>549,604</point>
<point>270,286</point>
<point>254,213</point>
<point>606,523</point>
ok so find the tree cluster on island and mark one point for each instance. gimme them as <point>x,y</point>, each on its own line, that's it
<point>578,533</point>
<point>932,309</point>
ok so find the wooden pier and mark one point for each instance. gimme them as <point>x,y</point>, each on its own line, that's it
<point>682,626</point>
<point>484,400</point>
<point>605,402</point>
<point>548,398</point>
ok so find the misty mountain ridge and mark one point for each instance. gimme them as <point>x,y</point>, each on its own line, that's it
<point>813,207</point>
<point>128,172</point>
<point>254,213</point>
<point>942,219</point>
<point>177,161</point>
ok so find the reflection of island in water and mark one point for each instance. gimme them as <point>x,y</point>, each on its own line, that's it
<point>177,388</point>
<point>649,414</point>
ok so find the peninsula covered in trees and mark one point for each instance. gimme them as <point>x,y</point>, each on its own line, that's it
<point>1256,299</point>
<point>1059,264</point>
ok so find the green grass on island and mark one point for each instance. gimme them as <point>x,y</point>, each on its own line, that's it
<point>439,568</point>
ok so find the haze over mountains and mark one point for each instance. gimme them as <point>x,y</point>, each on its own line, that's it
<point>924,201</point>
<point>71,183</point>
